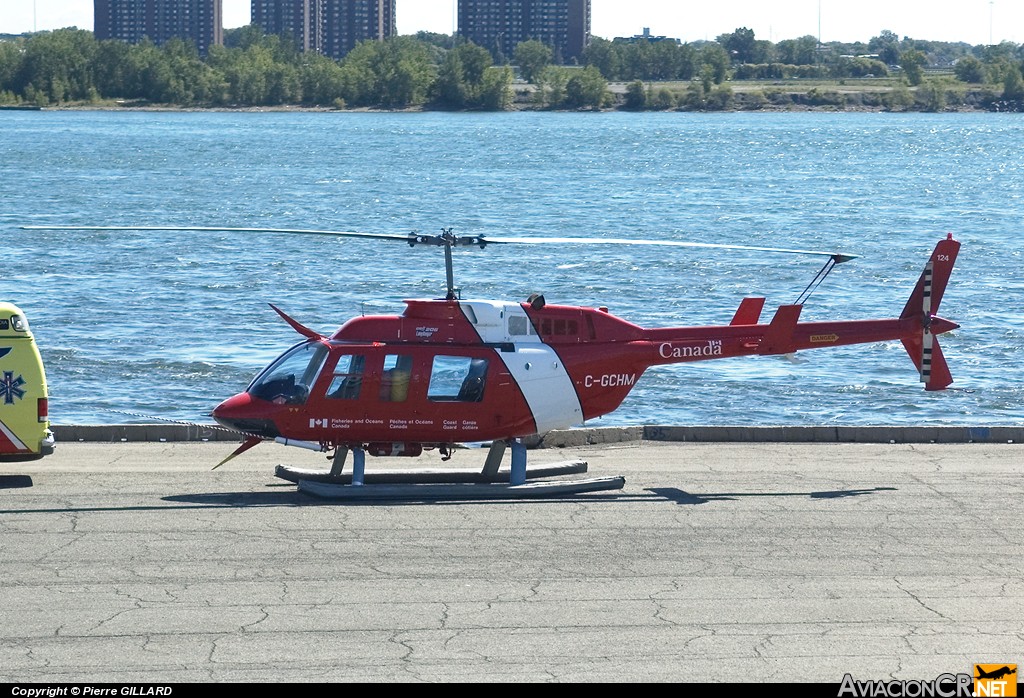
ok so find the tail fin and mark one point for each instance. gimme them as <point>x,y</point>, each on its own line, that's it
<point>932,285</point>
<point>930,362</point>
<point>924,303</point>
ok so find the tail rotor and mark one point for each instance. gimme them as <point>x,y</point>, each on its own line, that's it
<point>924,349</point>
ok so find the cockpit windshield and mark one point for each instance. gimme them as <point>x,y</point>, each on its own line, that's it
<point>288,380</point>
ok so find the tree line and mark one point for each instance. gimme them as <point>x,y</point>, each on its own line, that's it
<point>439,71</point>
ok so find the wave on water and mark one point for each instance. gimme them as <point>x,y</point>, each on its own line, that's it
<point>170,323</point>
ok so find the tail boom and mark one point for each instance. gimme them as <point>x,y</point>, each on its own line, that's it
<point>917,328</point>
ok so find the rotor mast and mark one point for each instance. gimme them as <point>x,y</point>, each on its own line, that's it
<point>448,239</point>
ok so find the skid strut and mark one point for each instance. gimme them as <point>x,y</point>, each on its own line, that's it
<point>491,473</point>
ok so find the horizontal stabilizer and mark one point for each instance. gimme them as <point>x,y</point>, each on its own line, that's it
<point>749,312</point>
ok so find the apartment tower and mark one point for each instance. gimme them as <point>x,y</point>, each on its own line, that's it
<point>348,22</point>
<point>330,27</point>
<point>198,21</point>
<point>499,25</point>
<point>299,20</point>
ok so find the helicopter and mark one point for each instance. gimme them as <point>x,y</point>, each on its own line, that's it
<point>448,371</point>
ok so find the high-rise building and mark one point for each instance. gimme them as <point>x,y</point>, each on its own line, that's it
<point>499,25</point>
<point>198,21</point>
<point>347,22</point>
<point>301,20</point>
<point>330,27</point>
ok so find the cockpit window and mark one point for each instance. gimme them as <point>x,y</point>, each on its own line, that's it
<point>287,381</point>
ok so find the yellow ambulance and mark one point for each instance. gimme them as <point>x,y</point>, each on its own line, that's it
<point>24,411</point>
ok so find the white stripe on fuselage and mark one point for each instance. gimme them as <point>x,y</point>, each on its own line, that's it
<point>546,386</point>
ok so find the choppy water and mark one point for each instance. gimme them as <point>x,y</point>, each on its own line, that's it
<point>170,323</point>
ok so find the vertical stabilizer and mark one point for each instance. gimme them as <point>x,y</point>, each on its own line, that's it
<point>933,279</point>
<point>923,304</point>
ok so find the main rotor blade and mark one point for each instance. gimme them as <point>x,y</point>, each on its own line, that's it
<point>479,240</point>
<point>839,257</point>
<point>215,229</point>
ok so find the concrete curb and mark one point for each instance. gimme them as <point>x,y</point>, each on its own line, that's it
<point>114,433</point>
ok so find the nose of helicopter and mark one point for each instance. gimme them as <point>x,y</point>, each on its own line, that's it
<point>245,413</point>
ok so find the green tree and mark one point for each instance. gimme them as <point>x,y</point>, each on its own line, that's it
<point>396,72</point>
<point>10,63</point>
<point>322,80</point>
<point>606,56</point>
<point>496,89</point>
<point>1013,84</point>
<point>587,88</point>
<point>694,98</point>
<point>802,51</point>
<point>913,62</point>
<point>720,99</point>
<point>743,47</point>
<point>969,69</point>
<point>670,61</point>
<point>636,95</point>
<point>931,95</point>
<point>451,87</point>
<point>661,99</point>
<point>551,85</point>
<point>714,62</point>
<point>59,65</point>
<point>532,57</point>
<point>858,68</point>
<point>443,41</point>
<point>112,69</point>
<point>467,80</point>
<point>898,98</point>
<point>887,46</point>
<point>637,60</point>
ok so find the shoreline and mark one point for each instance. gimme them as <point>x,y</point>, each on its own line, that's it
<point>299,109</point>
<point>770,96</point>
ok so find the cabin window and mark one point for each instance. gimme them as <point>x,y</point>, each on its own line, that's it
<point>457,379</point>
<point>519,326</point>
<point>348,377</point>
<point>289,378</point>
<point>394,381</point>
<point>560,327</point>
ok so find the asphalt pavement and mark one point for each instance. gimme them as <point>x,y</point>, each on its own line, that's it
<point>717,562</point>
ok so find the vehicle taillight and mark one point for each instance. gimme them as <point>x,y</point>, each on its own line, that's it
<point>43,409</point>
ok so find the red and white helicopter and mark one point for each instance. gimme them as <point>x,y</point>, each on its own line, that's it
<point>449,371</point>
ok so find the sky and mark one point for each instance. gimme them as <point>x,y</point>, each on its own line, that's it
<point>971,21</point>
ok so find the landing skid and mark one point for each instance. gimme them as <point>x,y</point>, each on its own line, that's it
<point>492,482</point>
<point>463,490</point>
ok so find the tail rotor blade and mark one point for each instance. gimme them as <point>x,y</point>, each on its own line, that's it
<point>927,338</point>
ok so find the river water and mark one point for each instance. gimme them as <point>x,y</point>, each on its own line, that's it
<point>170,323</point>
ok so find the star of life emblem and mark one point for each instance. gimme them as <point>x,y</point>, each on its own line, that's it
<point>10,387</point>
